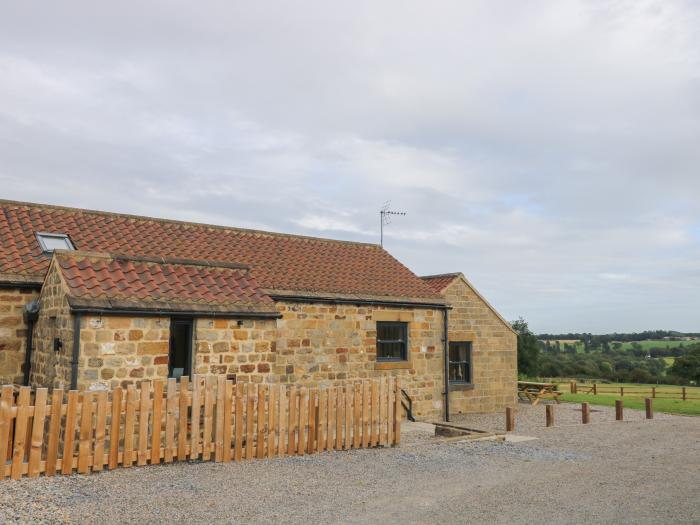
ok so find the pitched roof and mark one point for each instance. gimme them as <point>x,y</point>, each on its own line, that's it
<point>439,282</point>
<point>296,265</point>
<point>102,281</point>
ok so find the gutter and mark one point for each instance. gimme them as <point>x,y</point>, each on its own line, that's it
<point>172,313</point>
<point>76,352</point>
<point>446,354</point>
<point>372,302</point>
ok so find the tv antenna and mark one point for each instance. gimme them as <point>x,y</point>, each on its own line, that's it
<point>385,218</point>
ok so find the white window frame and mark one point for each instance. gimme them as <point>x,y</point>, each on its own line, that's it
<point>40,236</point>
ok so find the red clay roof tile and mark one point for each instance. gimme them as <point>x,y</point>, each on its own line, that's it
<point>298,265</point>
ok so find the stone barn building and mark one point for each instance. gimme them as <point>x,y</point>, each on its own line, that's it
<point>92,300</point>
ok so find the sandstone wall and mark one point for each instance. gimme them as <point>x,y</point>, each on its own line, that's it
<point>13,333</point>
<point>311,344</point>
<point>494,353</point>
<point>50,368</point>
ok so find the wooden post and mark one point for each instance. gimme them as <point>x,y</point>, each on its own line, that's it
<point>549,413</point>
<point>595,389</point>
<point>618,410</point>
<point>649,408</point>
<point>683,393</point>
<point>622,391</point>
<point>510,419</point>
<point>653,392</point>
<point>572,387</point>
<point>585,414</point>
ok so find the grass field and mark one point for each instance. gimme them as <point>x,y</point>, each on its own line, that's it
<point>634,397</point>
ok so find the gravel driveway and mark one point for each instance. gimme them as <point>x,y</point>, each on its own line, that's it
<point>632,472</point>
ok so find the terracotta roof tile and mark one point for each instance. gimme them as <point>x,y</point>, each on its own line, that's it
<point>303,265</point>
<point>96,280</point>
<point>439,282</point>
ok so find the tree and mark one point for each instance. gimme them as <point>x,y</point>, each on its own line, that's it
<point>528,349</point>
<point>687,367</point>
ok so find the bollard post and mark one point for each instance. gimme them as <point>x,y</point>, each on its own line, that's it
<point>549,415</point>
<point>683,393</point>
<point>618,410</point>
<point>510,419</point>
<point>653,392</point>
<point>585,414</point>
<point>622,391</point>
<point>595,389</point>
<point>650,408</point>
<point>572,386</point>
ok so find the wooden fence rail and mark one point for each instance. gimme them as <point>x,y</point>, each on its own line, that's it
<point>206,419</point>
<point>680,393</point>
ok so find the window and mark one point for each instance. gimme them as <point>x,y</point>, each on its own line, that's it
<point>392,341</point>
<point>461,362</point>
<point>180,355</point>
<point>54,241</point>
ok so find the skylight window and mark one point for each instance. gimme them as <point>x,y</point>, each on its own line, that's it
<point>54,241</point>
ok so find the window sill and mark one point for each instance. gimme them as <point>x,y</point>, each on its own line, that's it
<point>392,365</point>
<point>461,386</point>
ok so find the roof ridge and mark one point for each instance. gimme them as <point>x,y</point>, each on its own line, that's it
<point>249,231</point>
<point>440,275</point>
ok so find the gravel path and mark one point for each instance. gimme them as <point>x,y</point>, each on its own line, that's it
<point>632,472</point>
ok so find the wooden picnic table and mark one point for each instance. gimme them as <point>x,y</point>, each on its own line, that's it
<point>534,392</point>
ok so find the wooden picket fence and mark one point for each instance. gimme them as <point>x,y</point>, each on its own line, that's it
<point>643,391</point>
<point>206,419</point>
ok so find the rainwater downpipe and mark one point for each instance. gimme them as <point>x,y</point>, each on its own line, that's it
<point>76,352</point>
<point>446,355</point>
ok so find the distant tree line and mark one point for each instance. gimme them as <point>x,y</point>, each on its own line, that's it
<point>604,356</point>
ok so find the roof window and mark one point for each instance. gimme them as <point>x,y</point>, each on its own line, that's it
<point>54,241</point>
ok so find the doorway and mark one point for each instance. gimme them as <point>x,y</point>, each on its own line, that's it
<point>180,354</point>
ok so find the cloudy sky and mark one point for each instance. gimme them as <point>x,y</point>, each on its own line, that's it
<point>550,150</point>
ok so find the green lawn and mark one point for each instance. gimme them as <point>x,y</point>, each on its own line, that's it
<point>690,407</point>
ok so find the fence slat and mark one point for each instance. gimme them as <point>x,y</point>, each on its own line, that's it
<point>339,417</point>
<point>69,433</point>
<point>196,415</point>
<point>98,459</point>
<point>20,431</point>
<point>272,421</point>
<point>397,412</point>
<point>357,417</point>
<point>129,420</point>
<point>6,402</point>
<point>250,423</point>
<point>303,420</point>
<point>157,421</point>
<point>292,421</point>
<point>115,427</point>
<point>260,441</point>
<point>219,432</point>
<point>311,436</point>
<point>322,419</point>
<point>85,434</point>
<point>374,438</point>
<point>37,439</point>
<point>144,409</point>
<point>390,412</point>
<point>330,429</point>
<point>170,421</point>
<point>54,432</point>
<point>228,404</point>
<point>382,411</point>
<point>347,443</point>
<point>239,422</point>
<point>182,419</point>
<point>282,441</point>
<point>366,423</point>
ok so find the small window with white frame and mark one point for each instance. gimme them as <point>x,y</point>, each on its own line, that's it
<point>54,241</point>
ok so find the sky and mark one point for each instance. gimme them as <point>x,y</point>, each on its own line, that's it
<point>549,150</point>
